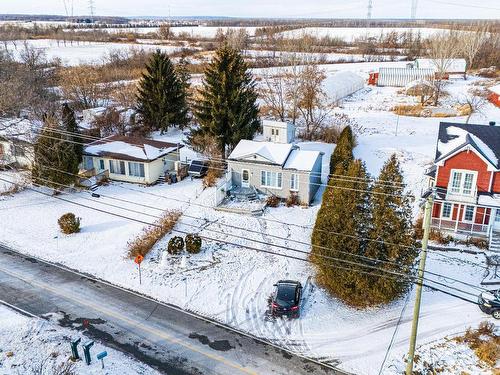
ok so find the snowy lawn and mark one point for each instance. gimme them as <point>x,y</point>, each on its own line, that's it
<point>25,343</point>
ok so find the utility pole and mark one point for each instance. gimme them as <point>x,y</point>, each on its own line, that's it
<point>421,269</point>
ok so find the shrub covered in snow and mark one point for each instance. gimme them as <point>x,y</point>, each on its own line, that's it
<point>144,242</point>
<point>175,245</point>
<point>69,223</point>
<point>193,243</point>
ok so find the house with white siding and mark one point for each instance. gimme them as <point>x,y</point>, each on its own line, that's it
<point>278,169</point>
<point>131,159</point>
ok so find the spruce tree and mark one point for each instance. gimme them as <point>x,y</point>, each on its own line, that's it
<point>342,155</point>
<point>161,98</point>
<point>56,161</point>
<point>227,108</point>
<point>345,210</point>
<point>391,232</point>
<point>71,127</point>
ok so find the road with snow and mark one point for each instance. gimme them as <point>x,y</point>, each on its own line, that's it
<point>165,337</point>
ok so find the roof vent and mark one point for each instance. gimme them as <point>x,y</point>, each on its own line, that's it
<point>492,123</point>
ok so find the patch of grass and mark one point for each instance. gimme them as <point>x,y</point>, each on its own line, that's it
<point>484,342</point>
<point>408,110</point>
<point>144,242</point>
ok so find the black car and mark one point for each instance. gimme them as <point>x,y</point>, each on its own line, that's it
<point>285,300</point>
<point>198,168</point>
<point>489,303</point>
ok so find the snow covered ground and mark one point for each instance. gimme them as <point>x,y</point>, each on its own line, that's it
<point>230,282</point>
<point>350,33</point>
<point>26,342</point>
<point>75,53</point>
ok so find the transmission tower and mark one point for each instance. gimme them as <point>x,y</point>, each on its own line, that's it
<point>414,4</point>
<point>92,10</point>
<point>370,7</point>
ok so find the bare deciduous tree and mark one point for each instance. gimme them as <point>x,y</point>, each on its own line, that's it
<point>442,49</point>
<point>473,101</point>
<point>82,85</point>
<point>471,42</point>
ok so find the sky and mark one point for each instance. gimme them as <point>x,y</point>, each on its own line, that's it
<point>261,8</point>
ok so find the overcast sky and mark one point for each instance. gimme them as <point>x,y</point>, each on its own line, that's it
<point>262,8</point>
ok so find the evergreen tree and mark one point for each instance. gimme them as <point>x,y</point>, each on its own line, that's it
<point>56,161</point>
<point>227,108</point>
<point>342,155</point>
<point>70,126</point>
<point>392,232</point>
<point>161,98</point>
<point>345,209</point>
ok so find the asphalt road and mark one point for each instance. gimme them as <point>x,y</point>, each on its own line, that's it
<point>165,337</point>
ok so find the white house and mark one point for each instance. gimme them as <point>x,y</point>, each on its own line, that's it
<point>276,168</point>
<point>131,159</point>
<point>278,131</point>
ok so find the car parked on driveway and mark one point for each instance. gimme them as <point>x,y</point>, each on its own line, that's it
<point>489,303</point>
<point>286,299</point>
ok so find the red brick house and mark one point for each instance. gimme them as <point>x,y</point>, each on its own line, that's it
<point>466,174</point>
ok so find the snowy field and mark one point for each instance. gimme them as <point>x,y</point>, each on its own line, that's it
<point>324,57</point>
<point>76,53</point>
<point>351,33</point>
<point>26,342</point>
<point>231,283</point>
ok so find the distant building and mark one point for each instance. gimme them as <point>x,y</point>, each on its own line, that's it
<point>131,159</point>
<point>494,95</point>
<point>466,175</point>
<point>16,143</point>
<point>452,66</point>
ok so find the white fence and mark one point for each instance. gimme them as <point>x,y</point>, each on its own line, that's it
<point>400,77</point>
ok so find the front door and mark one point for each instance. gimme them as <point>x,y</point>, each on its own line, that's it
<point>496,223</point>
<point>245,178</point>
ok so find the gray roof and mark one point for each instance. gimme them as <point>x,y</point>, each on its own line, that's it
<point>485,139</point>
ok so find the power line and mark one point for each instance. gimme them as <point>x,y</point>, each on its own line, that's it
<point>246,246</point>
<point>463,5</point>
<point>280,246</point>
<point>271,235</point>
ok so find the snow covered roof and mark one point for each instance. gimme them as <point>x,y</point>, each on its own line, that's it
<point>484,138</point>
<point>495,89</point>
<point>342,84</point>
<point>302,160</point>
<point>276,124</point>
<point>130,148</point>
<point>20,129</point>
<point>452,65</point>
<point>275,153</point>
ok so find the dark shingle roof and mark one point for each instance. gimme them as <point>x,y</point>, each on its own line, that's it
<point>489,135</point>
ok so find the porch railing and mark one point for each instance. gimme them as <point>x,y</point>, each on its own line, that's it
<point>452,225</point>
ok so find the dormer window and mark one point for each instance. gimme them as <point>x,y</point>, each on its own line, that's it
<point>462,182</point>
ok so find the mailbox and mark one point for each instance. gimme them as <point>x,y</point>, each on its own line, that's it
<point>86,351</point>
<point>74,348</point>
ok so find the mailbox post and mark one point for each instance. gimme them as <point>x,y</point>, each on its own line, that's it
<point>74,348</point>
<point>86,351</point>
<point>101,357</point>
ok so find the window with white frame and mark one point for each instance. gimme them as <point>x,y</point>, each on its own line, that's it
<point>469,213</point>
<point>462,182</point>
<point>446,212</point>
<point>117,167</point>
<point>294,182</point>
<point>136,169</point>
<point>271,179</point>
<point>101,164</point>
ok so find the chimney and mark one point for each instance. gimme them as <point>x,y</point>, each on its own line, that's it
<point>492,123</point>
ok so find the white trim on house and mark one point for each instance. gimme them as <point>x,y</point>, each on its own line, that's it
<point>490,167</point>
<point>461,188</point>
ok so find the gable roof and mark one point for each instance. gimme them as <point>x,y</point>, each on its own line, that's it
<point>485,139</point>
<point>274,153</point>
<point>130,148</point>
